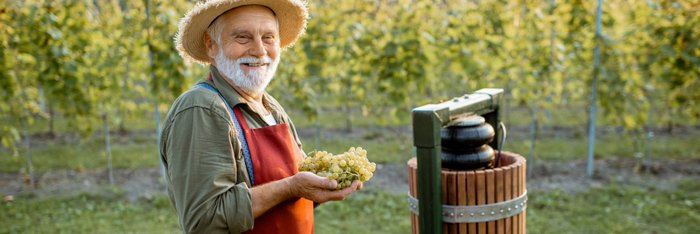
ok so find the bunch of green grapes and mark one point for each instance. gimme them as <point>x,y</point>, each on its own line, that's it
<point>344,168</point>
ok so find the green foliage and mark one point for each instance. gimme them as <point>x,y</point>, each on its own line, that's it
<point>651,57</point>
<point>59,53</point>
<point>540,51</point>
<point>8,83</point>
<point>87,59</point>
<point>118,64</point>
<point>167,67</point>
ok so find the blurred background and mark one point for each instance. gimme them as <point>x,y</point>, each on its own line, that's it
<point>85,84</point>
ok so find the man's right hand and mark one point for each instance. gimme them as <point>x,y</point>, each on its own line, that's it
<point>318,189</point>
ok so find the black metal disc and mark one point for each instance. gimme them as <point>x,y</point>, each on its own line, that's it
<point>467,159</point>
<point>457,137</point>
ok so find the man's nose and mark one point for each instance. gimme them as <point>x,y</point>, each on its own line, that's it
<point>258,48</point>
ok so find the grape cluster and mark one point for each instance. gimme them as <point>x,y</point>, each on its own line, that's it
<point>344,168</point>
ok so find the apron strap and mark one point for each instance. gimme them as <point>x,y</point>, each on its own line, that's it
<point>239,130</point>
<point>239,115</point>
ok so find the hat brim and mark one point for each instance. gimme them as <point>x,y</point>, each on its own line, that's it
<point>291,14</point>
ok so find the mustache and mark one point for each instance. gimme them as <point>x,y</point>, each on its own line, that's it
<point>250,59</point>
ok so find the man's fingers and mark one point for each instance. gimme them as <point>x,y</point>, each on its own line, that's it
<point>332,184</point>
<point>350,189</point>
<point>337,195</point>
<point>326,183</point>
<point>319,181</point>
<point>321,189</point>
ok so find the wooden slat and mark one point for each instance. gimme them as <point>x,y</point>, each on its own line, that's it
<point>520,192</point>
<point>410,190</point>
<point>523,189</point>
<point>481,196</point>
<point>499,197</point>
<point>515,191</point>
<point>491,197</point>
<point>452,197</point>
<point>508,195</point>
<point>445,228</point>
<point>462,196</point>
<point>413,190</point>
<point>471,197</point>
<point>505,161</point>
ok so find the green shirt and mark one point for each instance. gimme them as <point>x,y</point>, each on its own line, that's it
<point>206,173</point>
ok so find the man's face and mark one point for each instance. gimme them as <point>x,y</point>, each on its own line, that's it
<point>247,51</point>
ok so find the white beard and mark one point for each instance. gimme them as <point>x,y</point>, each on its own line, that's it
<point>253,82</point>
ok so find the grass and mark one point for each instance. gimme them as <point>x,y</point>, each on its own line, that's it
<point>572,115</point>
<point>143,153</point>
<point>140,151</point>
<point>617,209</point>
<point>607,147</point>
<point>338,119</point>
<point>89,154</point>
<point>610,209</point>
<point>383,147</point>
<point>87,214</point>
<point>62,125</point>
<point>367,211</point>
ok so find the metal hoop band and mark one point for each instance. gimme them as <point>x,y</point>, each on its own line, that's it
<point>477,213</point>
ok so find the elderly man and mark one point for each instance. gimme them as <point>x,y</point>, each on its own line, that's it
<point>229,149</point>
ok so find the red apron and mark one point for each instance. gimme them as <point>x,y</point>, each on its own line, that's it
<point>275,156</point>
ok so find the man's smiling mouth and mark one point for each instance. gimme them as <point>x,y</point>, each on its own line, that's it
<point>255,64</point>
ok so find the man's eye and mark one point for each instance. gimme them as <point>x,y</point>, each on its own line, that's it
<point>269,38</point>
<point>242,38</point>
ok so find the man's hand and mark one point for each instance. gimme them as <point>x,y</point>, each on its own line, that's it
<point>319,189</point>
<point>304,184</point>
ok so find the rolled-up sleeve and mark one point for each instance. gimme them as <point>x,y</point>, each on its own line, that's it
<point>202,174</point>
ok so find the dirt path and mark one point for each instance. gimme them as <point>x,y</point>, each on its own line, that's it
<point>565,176</point>
<point>133,183</point>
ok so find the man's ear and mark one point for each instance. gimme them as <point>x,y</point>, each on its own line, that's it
<point>212,49</point>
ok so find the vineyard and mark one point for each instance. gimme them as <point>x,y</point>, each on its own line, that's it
<point>85,84</point>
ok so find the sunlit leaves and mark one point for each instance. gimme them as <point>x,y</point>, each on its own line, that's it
<point>397,54</point>
<point>89,58</point>
<point>86,59</point>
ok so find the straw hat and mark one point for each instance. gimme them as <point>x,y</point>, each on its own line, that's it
<point>292,15</point>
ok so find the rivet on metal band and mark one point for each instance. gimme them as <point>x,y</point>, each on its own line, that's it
<point>487,212</point>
